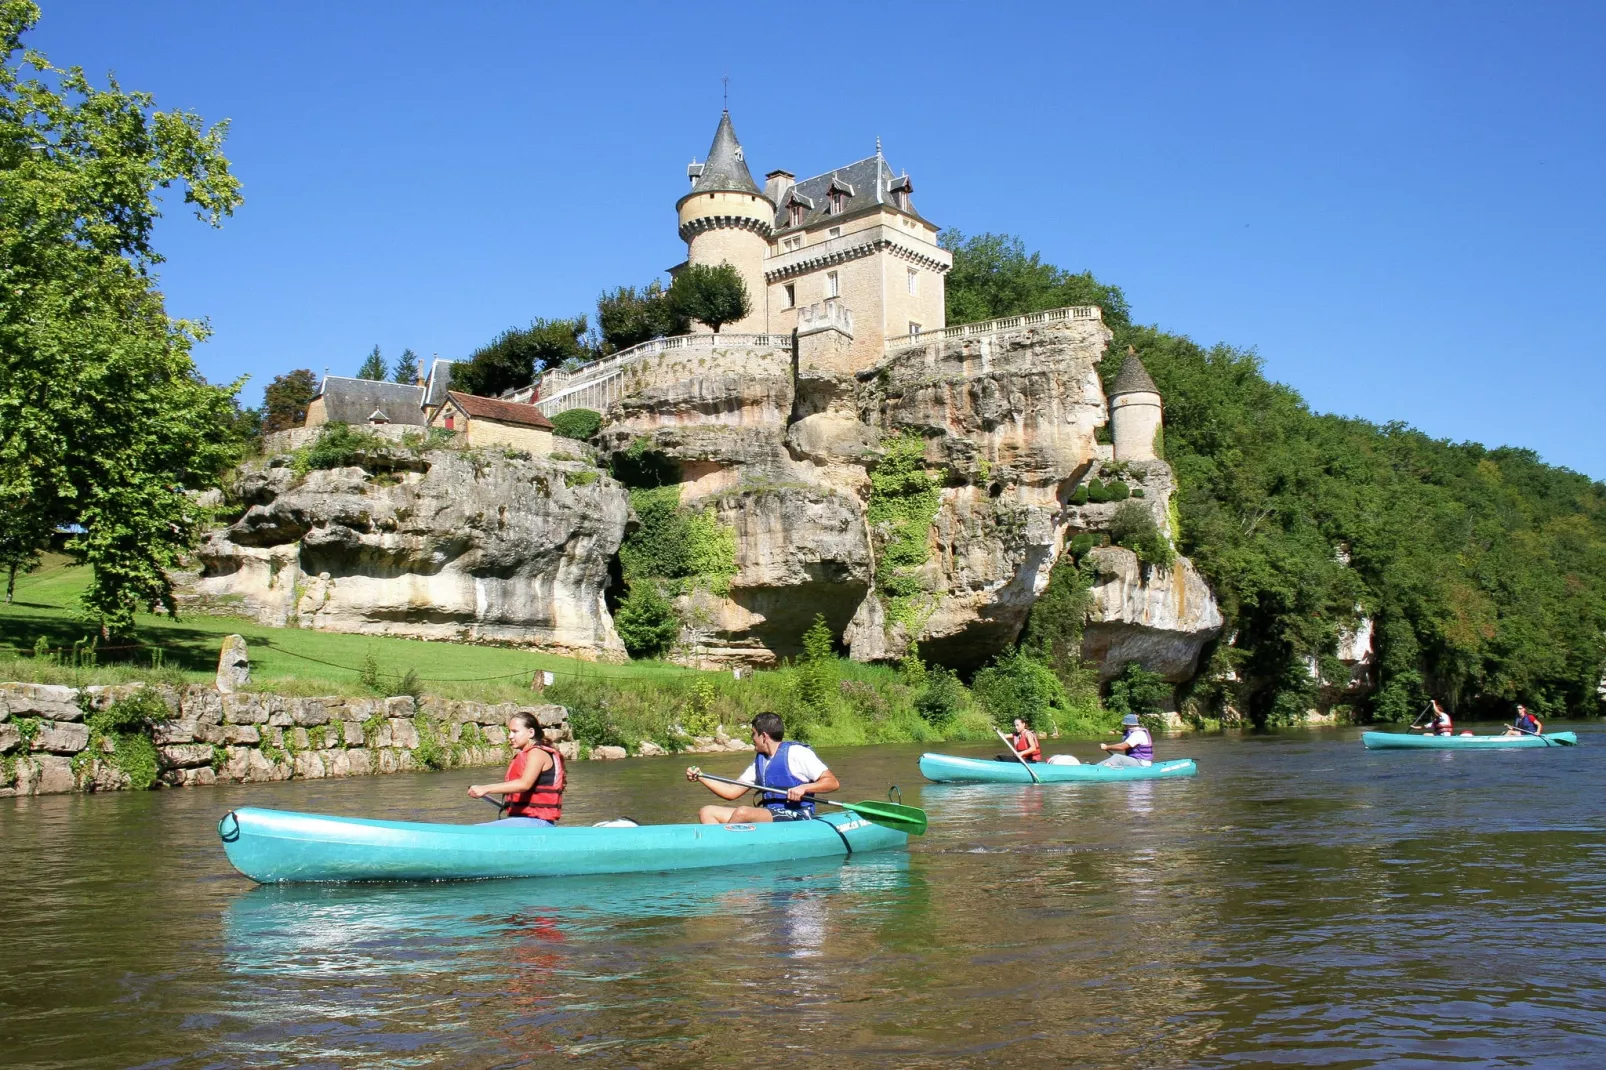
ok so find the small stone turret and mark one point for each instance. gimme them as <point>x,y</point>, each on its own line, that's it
<point>727,219</point>
<point>1135,411</point>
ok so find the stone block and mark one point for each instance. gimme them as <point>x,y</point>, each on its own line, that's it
<point>351,733</point>
<point>400,706</point>
<point>381,738</point>
<point>281,718</point>
<point>360,760</point>
<point>203,777</point>
<point>402,733</point>
<point>185,755</point>
<point>299,740</point>
<point>608,754</point>
<point>180,731</point>
<point>389,760</point>
<point>310,766</point>
<point>233,665</point>
<point>309,711</point>
<point>209,733</point>
<point>649,749</point>
<point>60,737</point>
<point>104,776</point>
<point>554,735</point>
<point>337,763</point>
<point>46,774</point>
<point>204,705</point>
<point>244,709</point>
<point>242,733</point>
<point>10,738</point>
<point>482,714</point>
<point>495,735</point>
<point>53,702</point>
<point>549,716</point>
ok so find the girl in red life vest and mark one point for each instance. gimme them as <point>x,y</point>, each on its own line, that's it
<point>1439,722</point>
<point>1025,742</point>
<point>532,794</point>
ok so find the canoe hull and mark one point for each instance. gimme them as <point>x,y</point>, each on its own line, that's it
<point>1402,741</point>
<point>273,846</point>
<point>951,769</point>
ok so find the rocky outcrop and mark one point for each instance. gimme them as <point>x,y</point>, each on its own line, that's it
<point>452,544</point>
<point>1159,617</point>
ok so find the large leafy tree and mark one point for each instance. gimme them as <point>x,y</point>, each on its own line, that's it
<point>993,276</point>
<point>711,293</point>
<point>628,316</point>
<point>517,355</point>
<point>286,400</point>
<point>104,423</point>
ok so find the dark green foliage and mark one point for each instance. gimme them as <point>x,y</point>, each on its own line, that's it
<point>1053,632</point>
<point>373,367</point>
<point>1079,495</point>
<point>628,317</point>
<point>671,543</point>
<point>1133,527</point>
<point>711,294</point>
<point>127,724</point>
<point>286,400</point>
<point>1139,691</point>
<point>816,677</point>
<point>339,446</point>
<point>518,354</point>
<point>578,424</point>
<point>1099,492</point>
<point>646,620</point>
<point>407,368</point>
<point>940,698</point>
<point>641,467</point>
<point>1082,543</point>
<point>903,503</point>
<point>994,276</point>
<point>1017,685</point>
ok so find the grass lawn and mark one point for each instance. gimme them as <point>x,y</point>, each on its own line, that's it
<point>290,660</point>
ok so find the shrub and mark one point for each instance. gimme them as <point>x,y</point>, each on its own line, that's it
<point>578,424</point>
<point>1139,691</point>
<point>941,699</point>
<point>579,479</point>
<point>1133,527</point>
<point>126,724</point>
<point>1016,685</point>
<point>1079,495</point>
<point>646,620</point>
<point>339,446</point>
<point>1082,543</point>
<point>816,675</point>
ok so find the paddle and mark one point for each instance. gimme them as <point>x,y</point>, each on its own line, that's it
<point>1029,770</point>
<point>1548,741</point>
<point>910,819</point>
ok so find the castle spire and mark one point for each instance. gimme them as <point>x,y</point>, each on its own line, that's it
<point>725,170</point>
<point>1133,378</point>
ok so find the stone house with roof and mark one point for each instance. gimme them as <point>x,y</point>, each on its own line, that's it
<point>348,400</point>
<point>490,422</point>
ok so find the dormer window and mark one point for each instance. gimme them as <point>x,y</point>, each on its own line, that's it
<point>794,215</point>
<point>837,201</point>
<point>902,198</point>
<point>901,188</point>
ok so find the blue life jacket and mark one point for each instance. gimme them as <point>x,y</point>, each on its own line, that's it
<point>776,772</point>
<point>1528,723</point>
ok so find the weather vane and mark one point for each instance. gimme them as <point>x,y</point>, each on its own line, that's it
<point>727,83</point>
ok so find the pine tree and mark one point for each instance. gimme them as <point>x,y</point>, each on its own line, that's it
<point>373,367</point>
<point>406,369</point>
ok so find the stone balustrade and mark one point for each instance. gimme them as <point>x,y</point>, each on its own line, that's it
<point>995,328</point>
<point>596,386</point>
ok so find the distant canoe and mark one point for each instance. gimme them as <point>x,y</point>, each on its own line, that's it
<point>270,846</point>
<point>1403,741</point>
<point>950,769</point>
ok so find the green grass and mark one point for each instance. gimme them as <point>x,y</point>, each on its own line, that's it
<point>289,660</point>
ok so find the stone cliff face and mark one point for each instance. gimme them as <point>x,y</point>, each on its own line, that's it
<point>465,545</point>
<point>779,447</point>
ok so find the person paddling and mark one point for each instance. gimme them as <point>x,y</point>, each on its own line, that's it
<point>792,769</point>
<point>1025,742</point>
<point>1439,722</point>
<point>1136,747</point>
<point>532,794</point>
<point>1526,724</point>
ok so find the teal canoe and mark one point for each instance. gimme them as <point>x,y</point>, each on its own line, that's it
<point>272,846</point>
<point>1403,741</point>
<point>950,769</point>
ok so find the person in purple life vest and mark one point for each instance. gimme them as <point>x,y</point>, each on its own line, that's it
<point>1136,746</point>
<point>791,769</point>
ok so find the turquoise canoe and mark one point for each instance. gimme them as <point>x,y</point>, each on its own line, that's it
<point>950,769</point>
<point>1403,741</point>
<point>271,846</point>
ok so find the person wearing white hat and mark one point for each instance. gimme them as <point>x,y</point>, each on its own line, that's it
<point>1136,746</point>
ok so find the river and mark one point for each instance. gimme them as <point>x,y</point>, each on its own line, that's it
<point>1301,902</point>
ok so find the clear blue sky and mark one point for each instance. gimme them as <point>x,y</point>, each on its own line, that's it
<point>1400,206</point>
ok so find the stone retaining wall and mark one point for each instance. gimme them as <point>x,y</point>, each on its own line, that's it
<point>209,737</point>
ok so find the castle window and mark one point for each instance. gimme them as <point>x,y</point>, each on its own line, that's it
<point>836,202</point>
<point>914,330</point>
<point>914,281</point>
<point>832,288</point>
<point>791,295</point>
<point>794,216</point>
<point>451,422</point>
<point>902,199</point>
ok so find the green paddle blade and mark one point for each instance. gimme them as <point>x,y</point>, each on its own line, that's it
<point>910,819</point>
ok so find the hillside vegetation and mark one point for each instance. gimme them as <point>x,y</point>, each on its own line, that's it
<point>1483,569</point>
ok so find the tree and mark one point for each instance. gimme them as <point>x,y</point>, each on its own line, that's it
<point>373,367</point>
<point>993,276</point>
<point>628,317</point>
<point>816,670</point>
<point>1133,527</point>
<point>711,294</point>
<point>104,422</point>
<point>517,355</point>
<point>286,400</point>
<point>407,368</point>
<point>646,620</point>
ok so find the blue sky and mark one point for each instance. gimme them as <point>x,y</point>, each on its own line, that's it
<point>1399,206</point>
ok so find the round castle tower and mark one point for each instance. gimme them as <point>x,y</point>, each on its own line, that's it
<point>727,219</point>
<point>1135,411</point>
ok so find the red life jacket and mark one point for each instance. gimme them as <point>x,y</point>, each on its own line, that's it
<point>1024,743</point>
<point>1442,725</point>
<point>545,800</point>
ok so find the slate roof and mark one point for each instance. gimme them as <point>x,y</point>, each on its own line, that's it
<point>868,183</point>
<point>505,412</point>
<point>1133,377</point>
<point>352,401</point>
<point>440,381</point>
<point>725,170</point>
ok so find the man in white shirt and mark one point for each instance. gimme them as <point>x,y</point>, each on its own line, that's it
<point>1136,746</point>
<point>792,770</point>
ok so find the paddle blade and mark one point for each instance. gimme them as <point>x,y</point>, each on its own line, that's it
<point>909,819</point>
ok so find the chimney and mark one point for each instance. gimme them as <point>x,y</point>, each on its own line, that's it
<point>776,183</point>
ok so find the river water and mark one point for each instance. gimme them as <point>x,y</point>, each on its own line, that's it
<point>1301,902</point>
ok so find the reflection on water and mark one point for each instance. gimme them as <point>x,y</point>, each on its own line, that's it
<point>1301,901</point>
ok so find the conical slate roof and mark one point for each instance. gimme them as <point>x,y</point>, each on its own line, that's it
<point>1133,377</point>
<point>725,170</point>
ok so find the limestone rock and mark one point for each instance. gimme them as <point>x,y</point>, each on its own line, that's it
<point>1161,618</point>
<point>50,701</point>
<point>60,737</point>
<point>184,755</point>
<point>648,749</point>
<point>606,754</point>
<point>10,738</point>
<point>233,665</point>
<point>462,545</point>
